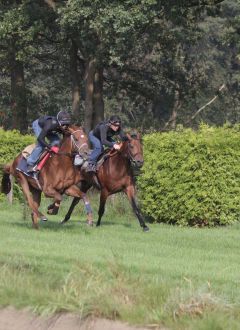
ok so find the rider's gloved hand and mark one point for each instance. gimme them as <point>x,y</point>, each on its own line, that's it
<point>116,146</point>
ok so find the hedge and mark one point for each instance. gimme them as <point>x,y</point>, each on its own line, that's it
<point>192,178</point>
<point>11,144</point>
<point>188,178</point>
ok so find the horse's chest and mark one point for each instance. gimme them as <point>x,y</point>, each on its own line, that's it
<point>64,179</point>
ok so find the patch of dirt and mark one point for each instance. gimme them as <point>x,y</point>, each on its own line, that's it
<point>12,319</point>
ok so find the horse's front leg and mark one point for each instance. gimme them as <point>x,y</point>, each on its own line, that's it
<point>130,191</point>
<point>53,208</point>
<point>103,197</point>
<point>74,191</point>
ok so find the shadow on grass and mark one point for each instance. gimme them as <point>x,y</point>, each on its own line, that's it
<point>56,226</point>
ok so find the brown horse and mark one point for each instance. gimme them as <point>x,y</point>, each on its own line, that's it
<point>58,176</point>
<point>116,174</point>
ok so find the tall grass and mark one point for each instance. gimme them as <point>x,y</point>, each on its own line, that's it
<point>181,278</point>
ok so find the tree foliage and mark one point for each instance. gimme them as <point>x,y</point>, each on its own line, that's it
<point>154,62</point>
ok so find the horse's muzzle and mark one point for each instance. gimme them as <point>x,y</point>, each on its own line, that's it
<point>139,163</point>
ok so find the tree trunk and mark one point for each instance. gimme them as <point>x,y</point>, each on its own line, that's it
<point>173,118</point>
<point>88,114</point>
<point>98,102</point>
<point>18,93</point>
<point>76,95</point>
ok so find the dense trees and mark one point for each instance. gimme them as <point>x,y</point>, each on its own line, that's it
<point>154,62</point>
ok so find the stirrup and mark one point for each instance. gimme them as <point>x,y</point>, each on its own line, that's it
<point>31,168</point>
<point>91,168</point>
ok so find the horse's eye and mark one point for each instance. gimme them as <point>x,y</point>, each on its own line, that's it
<point>131,146</point>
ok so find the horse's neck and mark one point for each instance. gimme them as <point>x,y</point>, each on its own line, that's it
<point>119,158</point>
<point>66,145</point>
<point>124,149</point>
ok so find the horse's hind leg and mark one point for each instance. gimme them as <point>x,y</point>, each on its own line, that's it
<point>130,191</point>
<point>36,194</point>
<point>36,200</point>
<point>75,201</point>
<point>32,204</point>
<point>76,192</point>
<point>103,197</point>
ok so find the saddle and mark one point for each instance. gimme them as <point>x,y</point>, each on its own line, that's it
<point>101,158</point>
<point>22,165</point>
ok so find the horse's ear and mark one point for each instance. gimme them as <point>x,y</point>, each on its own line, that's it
<point>128,136</point>
<point>139,136</point>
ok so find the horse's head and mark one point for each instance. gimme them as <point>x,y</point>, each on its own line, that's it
<point>79,139</point>
<point>134,150</point>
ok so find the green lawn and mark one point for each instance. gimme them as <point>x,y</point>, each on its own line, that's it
<point>181,278</point>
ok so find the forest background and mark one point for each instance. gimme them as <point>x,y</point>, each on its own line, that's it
<point>153,62</point>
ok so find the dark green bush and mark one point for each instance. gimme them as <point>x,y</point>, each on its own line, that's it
<point>192,178</point>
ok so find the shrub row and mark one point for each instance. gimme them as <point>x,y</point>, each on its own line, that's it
<point>11,144</point>
<point>188,177</point>
<point>192,178</point>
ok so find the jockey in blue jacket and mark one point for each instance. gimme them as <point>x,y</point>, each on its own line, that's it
<point>47,127</point>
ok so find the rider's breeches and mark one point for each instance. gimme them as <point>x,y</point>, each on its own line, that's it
<point>53,140</point>
<point>97,148</point>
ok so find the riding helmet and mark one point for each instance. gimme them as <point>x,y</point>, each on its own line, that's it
<point>115,120</point>
<point>64,118</point>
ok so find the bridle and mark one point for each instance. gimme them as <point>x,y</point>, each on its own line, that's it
<point>75,144</point>
<point>132,157</point>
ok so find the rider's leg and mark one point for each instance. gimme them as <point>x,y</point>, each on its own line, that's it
<point>32,159</point>
<point>97,149</point>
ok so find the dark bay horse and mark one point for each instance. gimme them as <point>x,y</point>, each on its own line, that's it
<point>58,176</point>
<point>116,174</point>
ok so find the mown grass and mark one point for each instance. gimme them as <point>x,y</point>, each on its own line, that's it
<point>180,278</point>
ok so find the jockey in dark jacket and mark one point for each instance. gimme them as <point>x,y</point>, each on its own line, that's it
<point>47,127</point>
<point>101,136</point>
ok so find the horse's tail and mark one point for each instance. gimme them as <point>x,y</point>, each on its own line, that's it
<point>6,180</point>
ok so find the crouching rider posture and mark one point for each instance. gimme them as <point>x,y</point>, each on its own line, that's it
<point>102,135</point>
<point>47,127</point>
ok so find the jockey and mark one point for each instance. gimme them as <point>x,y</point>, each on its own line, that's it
<point>101,136</point>
<point>47,127</point>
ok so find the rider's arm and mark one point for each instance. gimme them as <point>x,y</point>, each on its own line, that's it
<point>45,130</point>
<point>103,136</point>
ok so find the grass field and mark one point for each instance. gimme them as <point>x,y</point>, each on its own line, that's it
<point>179,278</point>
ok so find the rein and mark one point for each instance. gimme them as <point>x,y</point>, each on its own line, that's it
<point>132,157</point>
<point>73,144</point>
<point>129,155</point>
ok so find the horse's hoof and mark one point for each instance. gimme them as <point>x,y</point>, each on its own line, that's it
<point>89,223</point>
<point>146,228</point>
<point>53,211</point>
<point>44,218</point>
<point>62,222</point>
